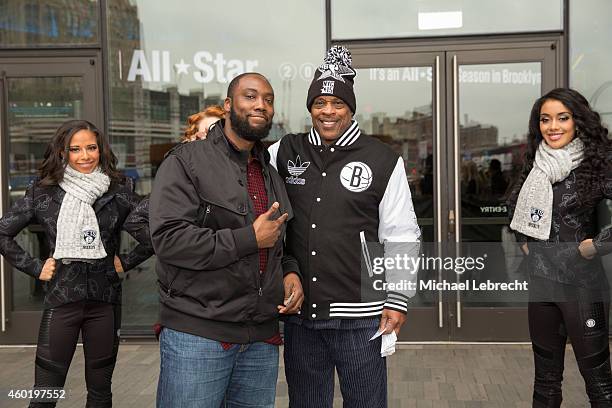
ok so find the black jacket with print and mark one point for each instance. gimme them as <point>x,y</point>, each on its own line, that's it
<point>78,280</point>
<point>574,219</point>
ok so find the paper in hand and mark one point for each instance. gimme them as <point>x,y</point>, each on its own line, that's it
<point>377,334</point>
<point>387,346</point>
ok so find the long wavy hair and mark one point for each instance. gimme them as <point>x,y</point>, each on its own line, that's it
<point>589,129</point>
<point>193,121</point>
<point>55,160</point>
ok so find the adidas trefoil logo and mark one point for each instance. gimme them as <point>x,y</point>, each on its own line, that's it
<point>296,169</point>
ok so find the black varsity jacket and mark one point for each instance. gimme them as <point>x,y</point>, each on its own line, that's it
<point>352,191</point>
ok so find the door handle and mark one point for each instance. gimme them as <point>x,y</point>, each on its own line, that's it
<point>438,219</point>
<point>456,155</point>
<point>456,158</point>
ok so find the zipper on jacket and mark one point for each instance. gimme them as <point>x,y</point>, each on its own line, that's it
<point>201,221</point>
<point>260,291</point>
<point>169,290</point>
<point>207,212</point>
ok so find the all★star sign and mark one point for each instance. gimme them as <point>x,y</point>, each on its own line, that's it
<point>204,67</point>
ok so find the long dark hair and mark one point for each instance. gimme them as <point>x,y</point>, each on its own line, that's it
<point>588,128</point>
<point>55,159</point>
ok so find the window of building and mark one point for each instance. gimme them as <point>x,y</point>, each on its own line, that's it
<point>362,19</point>
<point>34,23</point>
<point>590,58</point>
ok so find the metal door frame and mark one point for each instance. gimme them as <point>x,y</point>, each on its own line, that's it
<point>22,326</point>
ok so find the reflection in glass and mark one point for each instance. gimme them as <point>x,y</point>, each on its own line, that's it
<point>361,19</point>
<point>157,81</point>
<point>494,105</point>
<point>405,123</point>
<point>589,54</point>
<point>395,106</point>
<point>589,74</point>
<point>48,23</point>
<point>36,108</point>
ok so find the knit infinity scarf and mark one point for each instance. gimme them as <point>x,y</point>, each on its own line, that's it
<point>533,212</point>
<point>78,232</point>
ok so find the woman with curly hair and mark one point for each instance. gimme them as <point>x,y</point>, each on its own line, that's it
<point>199,123</point>
<point>82,203</point>
<point>553,206</point>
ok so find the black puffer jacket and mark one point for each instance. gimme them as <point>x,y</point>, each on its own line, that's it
<point>574,219</point>
<point>78,280</point>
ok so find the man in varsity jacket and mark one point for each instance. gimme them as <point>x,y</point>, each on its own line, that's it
<point>346,189</point>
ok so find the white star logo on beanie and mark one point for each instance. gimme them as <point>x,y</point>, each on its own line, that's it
<point>337,63</point>
<point>335,71</point>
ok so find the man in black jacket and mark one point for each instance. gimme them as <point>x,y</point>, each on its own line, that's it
<point>346,189</point>
<point>217,217</point>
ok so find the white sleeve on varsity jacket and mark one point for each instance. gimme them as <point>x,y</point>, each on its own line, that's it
<point>399,232</point>
<point>273,150</point>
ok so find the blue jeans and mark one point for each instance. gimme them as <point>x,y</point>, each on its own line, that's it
<point>198,372</point>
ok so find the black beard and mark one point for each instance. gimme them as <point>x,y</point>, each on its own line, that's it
<point>246,131</point>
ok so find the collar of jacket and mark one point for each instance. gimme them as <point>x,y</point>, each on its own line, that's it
<point>218,137</point>
<point>349,136</point>
<point>58,196</point>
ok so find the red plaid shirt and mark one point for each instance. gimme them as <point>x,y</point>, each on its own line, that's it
<point>256,187</point>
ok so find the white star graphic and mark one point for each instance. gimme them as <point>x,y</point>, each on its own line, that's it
<point>181,67</point>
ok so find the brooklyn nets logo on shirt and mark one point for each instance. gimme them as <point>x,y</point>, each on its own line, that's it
<point>356,176</point>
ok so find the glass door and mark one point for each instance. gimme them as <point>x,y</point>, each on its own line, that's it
<point>458,116</point>
<point>490,97</point>
<point>400,100</point>
<point>37,95</point>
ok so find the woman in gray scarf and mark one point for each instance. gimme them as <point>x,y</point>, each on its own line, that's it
<point>82,203</point>
<point>553,208</point>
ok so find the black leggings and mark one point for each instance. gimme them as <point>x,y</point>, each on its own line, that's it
<point>99,324</point>
<point>586,325</point>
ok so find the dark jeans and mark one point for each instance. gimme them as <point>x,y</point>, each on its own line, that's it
<point>311,356</point>
<point>98,323</point>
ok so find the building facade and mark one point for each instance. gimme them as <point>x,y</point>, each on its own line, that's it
<point>448,84</point>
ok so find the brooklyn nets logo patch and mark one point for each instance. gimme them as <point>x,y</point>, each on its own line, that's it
<point>89,236</point>
<point>356,176</point>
